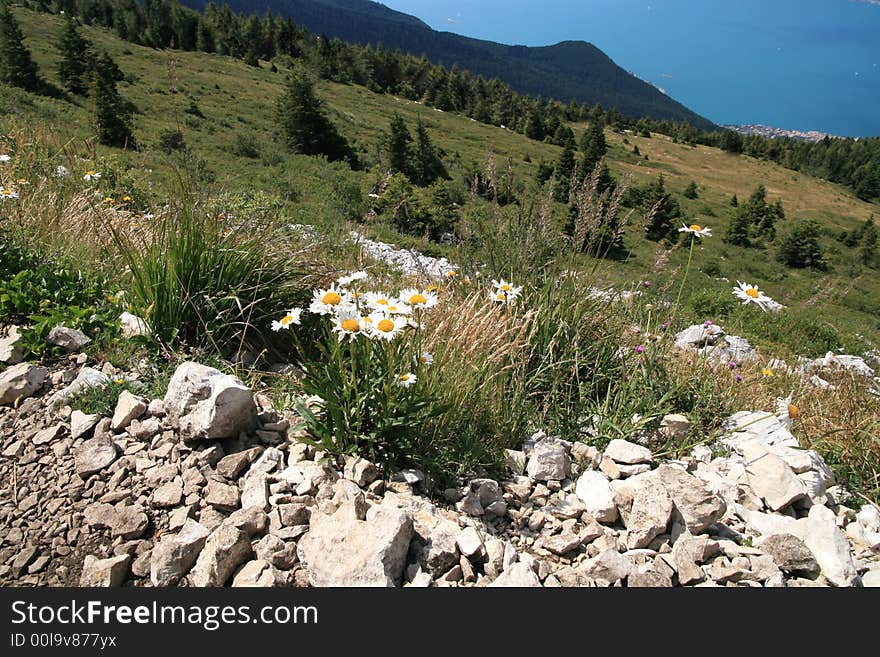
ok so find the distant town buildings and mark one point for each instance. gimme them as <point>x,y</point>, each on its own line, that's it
<point>779,133</point>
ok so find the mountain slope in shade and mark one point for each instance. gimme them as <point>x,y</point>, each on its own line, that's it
<point>571,70</point>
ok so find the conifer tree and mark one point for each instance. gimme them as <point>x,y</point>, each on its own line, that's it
<point>73,68</point>
<point>663,211</point>
<point>562,175</point>
<point>16,66</point>
<point>398,146</point>
<point>734,201</point>
<point>304,125</point>
<point>868,249</point>
<point>691,191</point>
<point>739,230</point>
<point>426,163</point>
<point>112,121</point>
<point>593,147</point>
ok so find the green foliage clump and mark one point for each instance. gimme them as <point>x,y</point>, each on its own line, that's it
<point>663,211</point>
<point>801,247</point>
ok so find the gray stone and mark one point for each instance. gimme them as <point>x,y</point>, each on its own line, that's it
<point>608,567</point>
<point>133,326</point>
<point>225,549</point>
<point>470,543</point>
<point>128,408</point>
<point>258,573</point>
<point>360,471</point>
<point>232,465</point>
<point>549,460</point>
<point>222,496</point>
<point>104,572</point>
<point>562,543</point>
<point>623,451</point>
<point>277,552</point>
<point>20,381</point>
<point>675,426</point>
<point>770,477</point>
<point>518,575</point>
<point>94,455</point>
<point>698,335</point>
<point>790,554</point>
<point>125,521</point>
<point>81,424</point>
<point>650,514</point>
<point>698,505</point>
<point>11,352</point>
<point>67,338</point>
<point>689,551</point>
<point>830,547</point>
<point>595,492</point>
<point>255,492</point>
<point>251,520</point>
<point>207,404</point>
<point>174,555</point>
<point>168,494</point>
<point>340,550</point>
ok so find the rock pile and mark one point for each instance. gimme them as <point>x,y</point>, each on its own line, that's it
<point>210,486</point>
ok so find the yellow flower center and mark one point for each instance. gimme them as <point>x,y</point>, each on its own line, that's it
<point>753,292</point>
<point>767,372</point>
<point>506,288</point>
<point>793,411</point>
<point>432,288</point>
<point>404,377</point>
<point>500,296</point>
<point>451,274</point>
<point>422,359</point>
<point>382,302</point>
<point>417,298</point>
<point>350,325</point>
<point>696,227</point>
<point>287,319</point>
<point>385,325</point>
<point>331,299</point>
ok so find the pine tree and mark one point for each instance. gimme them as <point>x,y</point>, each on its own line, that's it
<point>16,66</point>
<point>426,163</point>
<point>562,175</point>
<point>691,191</point>
<point>868,249</point>
<point>593,147</point>
<point>73,68</point>
<point>739,230</point>
<point>112,122</point>
<point>801,247</point>
<point>398,147</point>
<point>734,201</point>
<point>535,125</point>
<point>304,125</point>
<point>663,211</point>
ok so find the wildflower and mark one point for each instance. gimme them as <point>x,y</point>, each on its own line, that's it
<point>419,298</point>
<point>432,288</point>
<point>61,171</point>
<point>108,199</point>
<point>697,230</point>
<point>126,199</point>
<point>396,307</point>
<point>640,349</point>
<point>348,324</point>
<point>386,327</point>
<point>451,274</point>
<point>425,359</point>
<point>327,301</point>
<point>406,380</point>
<point>7,194</point>
<point>4,158</point>
<point>766,372</point>
<point>739,378</point>
<point>732,365</point>
<point>507,288</point>
<point>647,283</point>
<point>351,278</point>
<point>751,294</point>
<point>292,317</point>
<point>707,323</point>
<point>379,300</point>
<point>91,176</point>
<point>786,411</point>
<point>24,181</point>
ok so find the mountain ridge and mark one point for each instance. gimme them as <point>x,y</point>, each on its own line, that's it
<point>566,71</point>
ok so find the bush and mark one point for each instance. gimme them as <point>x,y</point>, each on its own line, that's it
<point>801,248</point>
<point>171,141</point>
<point>246,145</point>
<point>712,304</point>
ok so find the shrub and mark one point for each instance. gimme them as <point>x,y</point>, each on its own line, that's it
<point>246,145</point>
<point>171,141</point>
<point>801,248</point>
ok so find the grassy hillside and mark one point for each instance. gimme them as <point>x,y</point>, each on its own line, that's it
<point>235,147</point>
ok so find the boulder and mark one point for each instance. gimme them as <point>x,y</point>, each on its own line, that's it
<point>124,521</point>
<point>204,403</point>
<point>20,381</point>
<point>770,477</point>
<point>518,575</point>
<point>225,550</point>
<point>651,512</point>
<point>830,547</point>
<point>128,407</point>
<point>81,423</point>
<point>790,554</point>
<point>94,455</point>
<point>699,506</point>
<point>340,550</point>
<point>10,351</point>
<point>67,338</point>
<point>88,377</point>
<point>258,573</point>
<point>675,426</point>
<point>104,572</point>
<point>133,326</point>
<point>174,555</point>
<point>623,451</point>
<point>549,460</point>
<point>597,495</point>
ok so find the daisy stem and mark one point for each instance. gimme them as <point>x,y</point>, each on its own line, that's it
<point>687,270</point>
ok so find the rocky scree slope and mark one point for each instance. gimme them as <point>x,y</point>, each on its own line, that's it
<point>211,486</point>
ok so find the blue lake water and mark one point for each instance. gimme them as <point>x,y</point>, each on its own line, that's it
<point>796,64</point>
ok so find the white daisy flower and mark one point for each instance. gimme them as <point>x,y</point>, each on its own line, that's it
<point>61,171</point>
<point>4,158</point>
<point>508,289</point>
<point>91,176</point>
<point>397,307</point>
<point>386,327</point>
<point>501,297</point>
<point>697,230</point>
<point>380,301</point>
<point>406,380</point>
<point>425,359</point>
<point>348,323</point>
<point>786,411</point>
<point>351,278</point>
<point>328,301</point>
<point>419,298</point>
<point>6,194</point>
<point>419,326</point>
<point>751,294</point>
<point>292,317</point>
